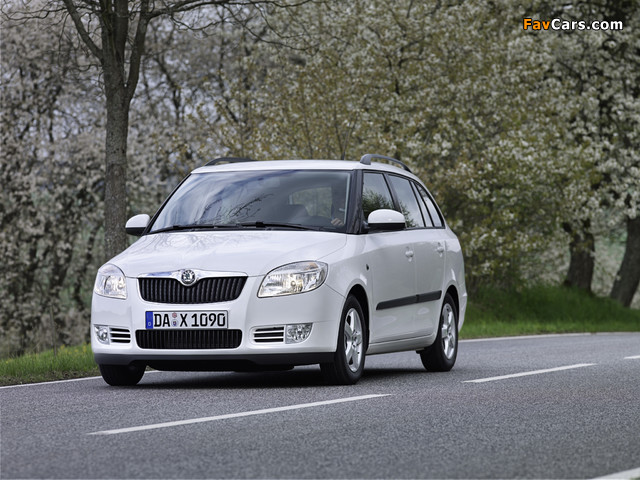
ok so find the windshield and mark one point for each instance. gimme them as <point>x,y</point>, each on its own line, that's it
<point>317,199</point>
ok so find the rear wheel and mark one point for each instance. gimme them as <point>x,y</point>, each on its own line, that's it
<point>441,356</point>
<point>348,361</point>
<point>122,375</point>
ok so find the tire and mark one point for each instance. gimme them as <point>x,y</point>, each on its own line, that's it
<point>122,375</point>
<point>441,356</point>
<point>348,360</point>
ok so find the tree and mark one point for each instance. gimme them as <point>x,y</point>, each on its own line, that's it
<point>626,282</point>
<point>521,135</point>
<point>601,67</point>
<point>468,108</point>
<point>51,188</point>
<point>53,179</point>
<point>114,32</point>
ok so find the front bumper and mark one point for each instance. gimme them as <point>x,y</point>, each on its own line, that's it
<point>321,307</point>
<point>215,363</point>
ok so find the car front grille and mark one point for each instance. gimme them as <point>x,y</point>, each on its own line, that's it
<point>206,290</point>
<point>188,339</point>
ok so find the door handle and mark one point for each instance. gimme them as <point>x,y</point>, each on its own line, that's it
<point>440,248</point>
<point>408,253</point>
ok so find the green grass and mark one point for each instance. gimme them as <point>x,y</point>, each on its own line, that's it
<point>543,310</point>
<point>491,313</point>
<point>67,362</point>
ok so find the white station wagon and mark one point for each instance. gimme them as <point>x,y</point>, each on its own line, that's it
<point>267,265</point>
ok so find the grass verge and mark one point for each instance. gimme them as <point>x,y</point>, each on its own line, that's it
<point>67,362</point>
<point>544,310</point>
<point>491,313</point>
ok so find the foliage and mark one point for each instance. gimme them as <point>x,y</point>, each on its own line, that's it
<point>52,194</point>
<point>455,103</point>
<point>516,133</point>
<point>490,116</point>
<point>51,189</point>
<point>600,70</point>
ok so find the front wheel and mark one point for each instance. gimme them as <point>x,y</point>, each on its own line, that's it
<point>348,361</point>
<point>441,356</point>
<point>122,375</point>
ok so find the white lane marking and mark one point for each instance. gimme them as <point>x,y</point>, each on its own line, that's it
<point>234,415</point>
<point>534,372</point>
<point>626,475</point>
<point>635,357</point>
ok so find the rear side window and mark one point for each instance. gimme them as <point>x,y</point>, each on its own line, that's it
<point>375,194</point>
<point>408,202</point>
<point>431,208</point>
<point>423,207</point>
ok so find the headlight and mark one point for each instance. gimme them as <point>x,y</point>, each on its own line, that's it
<point>293,278</point>
<point>110,282</point>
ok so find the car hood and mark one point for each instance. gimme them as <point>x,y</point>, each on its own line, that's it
<point>249,252</point>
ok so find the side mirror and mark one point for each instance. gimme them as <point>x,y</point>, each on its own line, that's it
<point>136,225</point>
<point>385,219</point>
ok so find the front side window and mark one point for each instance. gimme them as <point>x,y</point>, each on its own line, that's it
<point>375,194</point>
<point>230,199</point>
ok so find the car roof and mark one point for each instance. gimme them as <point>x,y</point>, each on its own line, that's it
<point>346,165</point>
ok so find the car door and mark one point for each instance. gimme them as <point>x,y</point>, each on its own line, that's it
<point>431,260</point>
<point>391,268</point>
<point>428,248</point>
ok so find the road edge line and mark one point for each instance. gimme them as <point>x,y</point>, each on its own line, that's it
<point>626,475</point>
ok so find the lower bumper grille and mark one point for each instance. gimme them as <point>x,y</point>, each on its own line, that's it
<point>119,335</point>
<point>269,334</point>
<point>188,339</point>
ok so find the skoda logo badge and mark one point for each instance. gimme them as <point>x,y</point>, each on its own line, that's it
<point>188,277</point>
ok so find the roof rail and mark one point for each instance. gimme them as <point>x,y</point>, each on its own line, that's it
<point>366,160</point>
<point>229,160</point>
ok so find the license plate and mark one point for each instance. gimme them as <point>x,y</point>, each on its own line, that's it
<point>218,319</point>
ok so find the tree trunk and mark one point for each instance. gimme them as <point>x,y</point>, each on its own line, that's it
<point>115,198</point>
<point>581,265</point>
<point>626,283</point>
<point>119,88</point>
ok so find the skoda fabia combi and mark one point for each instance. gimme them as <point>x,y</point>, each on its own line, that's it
<point>267,265</point>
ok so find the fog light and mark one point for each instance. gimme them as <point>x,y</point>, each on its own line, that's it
<point>298,333</point>
<point>102,333</point>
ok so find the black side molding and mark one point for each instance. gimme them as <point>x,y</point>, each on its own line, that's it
<point>401,302</point>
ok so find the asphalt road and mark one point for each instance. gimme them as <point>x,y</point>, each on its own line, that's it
<point>575,414</point>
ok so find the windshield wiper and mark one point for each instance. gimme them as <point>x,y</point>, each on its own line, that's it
<point>296,226</point>
<point>230,226</point>
<point>194,226</point>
